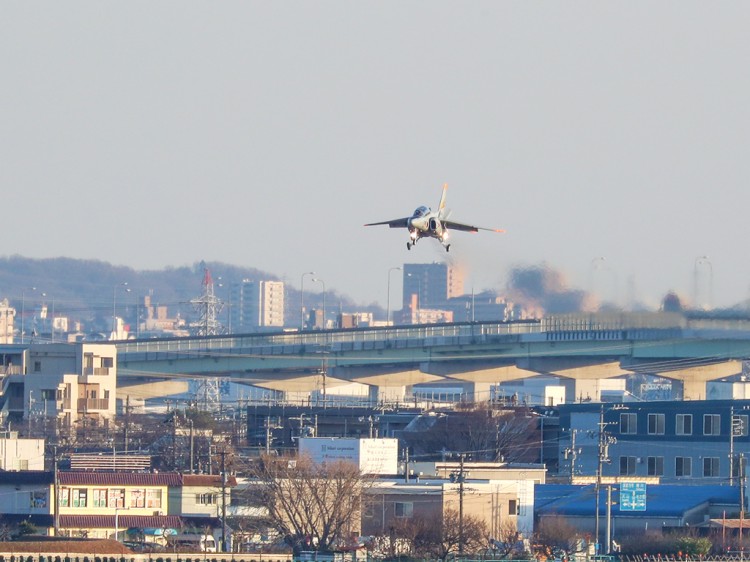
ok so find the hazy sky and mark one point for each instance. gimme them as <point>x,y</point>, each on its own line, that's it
<point>265,134</point>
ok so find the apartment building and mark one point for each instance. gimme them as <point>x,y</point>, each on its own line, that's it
<point>256,305</point>
<point>698,442</point>
<point>71,383</point>
<point>7,317</point>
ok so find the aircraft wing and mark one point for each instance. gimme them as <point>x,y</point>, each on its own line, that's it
<point>395,223</point>
<point>451,225</point>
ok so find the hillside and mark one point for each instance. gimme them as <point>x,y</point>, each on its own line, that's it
<point>85,289</point>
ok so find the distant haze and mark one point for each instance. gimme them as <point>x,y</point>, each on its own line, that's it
<point>609,139</point>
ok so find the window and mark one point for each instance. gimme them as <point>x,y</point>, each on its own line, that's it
<point>37,366</point>
<point>656,466</point>
<point>116,497</point>
<point>404,509</point>
<point>683,466</point>
<point>108,362</point>
<point>710,467</point>
<point>153,498</point>
<point>656,424</point>
<point>100,498</point>
<point>49,393</point>
<point>684,424</point>
<point>64,497</point>
<point>137,498</point>
<point>512,507</point>
<point>38,499</point>
<point>628,424</point>
<point>80,496</point>
<point>206,499</point>
<point>627,466</point>
<point>711,424</point>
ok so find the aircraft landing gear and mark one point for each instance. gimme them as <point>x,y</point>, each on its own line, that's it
<point>408,245</point>
<point>447,248</point>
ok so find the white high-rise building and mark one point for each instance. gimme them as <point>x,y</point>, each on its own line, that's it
<point>7,315</point>
<point>257,305</point>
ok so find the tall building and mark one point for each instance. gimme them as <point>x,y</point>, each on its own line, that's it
<point>432,283</point>
<point>256,305</point>
<point>7,314</point>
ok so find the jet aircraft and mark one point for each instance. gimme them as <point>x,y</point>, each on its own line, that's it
<point>425,223</point>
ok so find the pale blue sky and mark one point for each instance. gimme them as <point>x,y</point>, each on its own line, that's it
<point>265,134</point>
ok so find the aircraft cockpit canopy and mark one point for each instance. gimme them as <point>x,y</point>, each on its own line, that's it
<point>421,211</point>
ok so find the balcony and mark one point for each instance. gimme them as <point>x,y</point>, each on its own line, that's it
<point>92,404</point>
<point>96,371</point>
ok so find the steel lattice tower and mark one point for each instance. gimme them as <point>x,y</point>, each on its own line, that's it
<point>207,306</point>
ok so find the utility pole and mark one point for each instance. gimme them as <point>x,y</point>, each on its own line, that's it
<point>731,446</point>
<point>573,453</point>
<point>603,456</point>
<point>460,477</point>
<point>223,501</point>
<point>192,446</point>
<point>126,426</point>
<point>56,486</point>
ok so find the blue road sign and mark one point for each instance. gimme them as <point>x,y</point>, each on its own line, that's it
<point>633,496</point>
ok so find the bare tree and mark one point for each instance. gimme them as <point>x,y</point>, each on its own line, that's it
<point>553,533</point>
<point>488,434</point>
<point>439,536</point>
<point>312,506</point>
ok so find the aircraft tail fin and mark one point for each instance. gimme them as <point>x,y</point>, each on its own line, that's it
<point>443,211</point>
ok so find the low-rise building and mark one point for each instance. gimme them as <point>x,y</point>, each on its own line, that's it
<point>115,504</point>
<point>20,454</point>
<point>502,505</point>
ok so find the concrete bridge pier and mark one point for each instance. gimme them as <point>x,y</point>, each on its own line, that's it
<point>387,383</point>
<point>476,378</point>
<point>694,379</point>
<point>582,378</point>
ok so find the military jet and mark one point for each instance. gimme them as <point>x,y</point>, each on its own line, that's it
<point>425,223</point>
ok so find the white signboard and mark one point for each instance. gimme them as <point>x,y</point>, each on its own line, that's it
<point>372,456</point>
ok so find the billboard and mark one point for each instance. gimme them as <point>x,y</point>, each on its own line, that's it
<point>372,456</point>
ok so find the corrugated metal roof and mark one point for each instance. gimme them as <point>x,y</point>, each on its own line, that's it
<point>206,480</point>
<point>661,499</point>
<point>123,521</point>
<point>119,478</point>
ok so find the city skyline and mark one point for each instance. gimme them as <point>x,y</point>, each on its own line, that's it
<point>151,136</point>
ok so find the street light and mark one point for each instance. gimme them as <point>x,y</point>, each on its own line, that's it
<point>317,280</point>
<point>388,310</point>
<point>23,309</point>
<point>302,297</point>
<point>114,307</point>
<point>117,520</point>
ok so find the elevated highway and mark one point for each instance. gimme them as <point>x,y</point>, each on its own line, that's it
<point>582,349</point>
